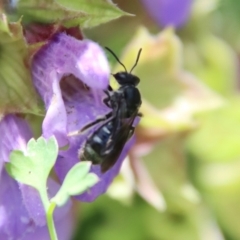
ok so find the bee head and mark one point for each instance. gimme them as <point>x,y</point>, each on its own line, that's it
<point>125,78</point>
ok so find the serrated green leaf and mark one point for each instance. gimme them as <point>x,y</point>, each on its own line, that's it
<point>71,13</point>
<point>86,183</point>
<point>17,92</point>
<point>77,181</point>
<point>33,167</point>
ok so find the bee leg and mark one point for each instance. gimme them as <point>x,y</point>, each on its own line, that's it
<point>107,100</point>
<point>110,88</point>
<point>131,132</point>
<point>98,120</point>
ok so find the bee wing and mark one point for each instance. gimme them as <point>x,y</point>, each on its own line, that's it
<point>121,125</point>
<point>123,132</point>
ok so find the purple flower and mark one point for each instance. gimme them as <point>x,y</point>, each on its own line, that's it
<point>169,12</point>
<point>21,209</point>
<point>70,75</point>
<point>62,57</point>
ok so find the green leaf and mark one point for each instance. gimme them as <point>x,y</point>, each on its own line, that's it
<point>77,181</point>
<point>17,92</point>
<point>71,13</point>
<point>33,167</point>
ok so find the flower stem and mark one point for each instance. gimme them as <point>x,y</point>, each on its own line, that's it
<point>50,222</point>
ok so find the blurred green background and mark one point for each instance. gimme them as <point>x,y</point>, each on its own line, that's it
<point>190,86</point>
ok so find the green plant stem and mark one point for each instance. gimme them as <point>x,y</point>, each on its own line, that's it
<point>50,222</point>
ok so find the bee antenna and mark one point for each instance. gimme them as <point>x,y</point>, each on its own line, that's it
<point>116,57</point>
<point>138,56</point>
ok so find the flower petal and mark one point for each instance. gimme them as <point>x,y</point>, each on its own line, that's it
<point>169,12</point>
<point>64,229</point>
<point>33,204</point>
<point>64,56</point>
<point>15,134</point>
<point>14,218</point>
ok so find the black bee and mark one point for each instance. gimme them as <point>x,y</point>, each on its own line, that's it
<point>105,145</point>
